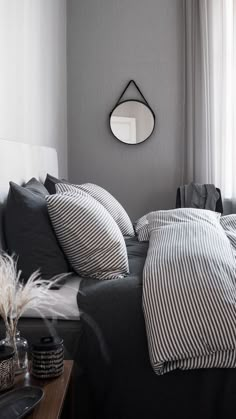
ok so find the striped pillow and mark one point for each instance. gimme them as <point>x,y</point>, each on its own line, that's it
<point>157,219</point>
<point>109,202</point>
<point>141,228</point>
<point>228,222</point>
<point>89,236</point>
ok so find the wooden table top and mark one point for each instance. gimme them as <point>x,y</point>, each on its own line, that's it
<point>55,390</point>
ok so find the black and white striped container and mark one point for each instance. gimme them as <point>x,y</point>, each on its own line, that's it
<point>48,357</point>
<point>7,372</point>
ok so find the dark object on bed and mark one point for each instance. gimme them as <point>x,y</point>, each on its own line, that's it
<point>29,233</point>
<point>122,382</point>
<point>51,182</point>
<point>219,203</point>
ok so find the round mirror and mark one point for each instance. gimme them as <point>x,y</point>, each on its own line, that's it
<point>132,122</point>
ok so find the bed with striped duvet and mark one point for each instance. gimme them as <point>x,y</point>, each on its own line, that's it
<point>189,292</point>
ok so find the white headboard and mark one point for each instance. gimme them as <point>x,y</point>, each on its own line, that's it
<point>20,162</point>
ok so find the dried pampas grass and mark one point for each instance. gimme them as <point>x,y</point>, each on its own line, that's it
<point>17,297</point>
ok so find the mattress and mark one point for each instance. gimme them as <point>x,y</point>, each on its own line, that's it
<point>66,305</point>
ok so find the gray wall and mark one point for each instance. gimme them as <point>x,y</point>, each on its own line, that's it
<point>33,93</point>
<point>110,42</point>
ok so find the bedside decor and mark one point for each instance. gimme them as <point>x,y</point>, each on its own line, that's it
<point>18,403</point>
<point>15,298</point>
<point>20,346</point>
<point>57,401</point>
<point>132,121</point>
<point>7,373</point>
<point>47,357</point>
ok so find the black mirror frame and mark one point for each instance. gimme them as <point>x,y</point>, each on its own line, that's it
<point>143,102</point>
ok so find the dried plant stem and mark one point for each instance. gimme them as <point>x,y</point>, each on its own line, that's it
<point>16,297</point>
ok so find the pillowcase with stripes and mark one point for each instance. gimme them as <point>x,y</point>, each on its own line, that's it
<point>108,201</point>
<point>141,229</point>
<point>228,222</point>
<point>89,236</point>
<point>163,218</point>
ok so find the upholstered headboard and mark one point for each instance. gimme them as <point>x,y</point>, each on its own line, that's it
<point>20,162</point>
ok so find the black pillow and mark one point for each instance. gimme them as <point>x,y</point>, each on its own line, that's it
<point>29,233</point>
<point>50,183</point>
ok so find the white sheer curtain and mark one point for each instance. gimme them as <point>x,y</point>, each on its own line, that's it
<point>210,95</point>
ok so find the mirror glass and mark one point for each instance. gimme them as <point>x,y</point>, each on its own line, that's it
<point>132,122</point>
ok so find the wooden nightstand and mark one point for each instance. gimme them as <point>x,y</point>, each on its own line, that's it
<point>55,392</point>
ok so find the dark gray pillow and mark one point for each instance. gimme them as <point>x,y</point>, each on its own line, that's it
<point>36,187</point>
<point>29,233</point>
<point>51,182</point>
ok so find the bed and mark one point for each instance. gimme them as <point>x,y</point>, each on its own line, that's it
<point>107,336</point>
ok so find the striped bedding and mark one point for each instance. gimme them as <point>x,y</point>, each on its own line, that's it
<point>189,292</point>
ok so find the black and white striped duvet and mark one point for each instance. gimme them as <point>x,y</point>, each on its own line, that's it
<point>189,292</point>
<point>228,222</point>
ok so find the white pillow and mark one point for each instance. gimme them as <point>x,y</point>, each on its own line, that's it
<point>88,235</point>
<point>108,201</point>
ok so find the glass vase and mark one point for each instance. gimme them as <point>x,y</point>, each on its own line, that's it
<point>20,346</point>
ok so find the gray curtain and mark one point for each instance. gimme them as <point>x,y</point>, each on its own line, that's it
<point>210,95</point>
<point>194,168</point>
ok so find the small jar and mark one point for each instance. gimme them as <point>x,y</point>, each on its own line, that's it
<point>48,357</point>
<point>20,346</point>
<point>7,372</point>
